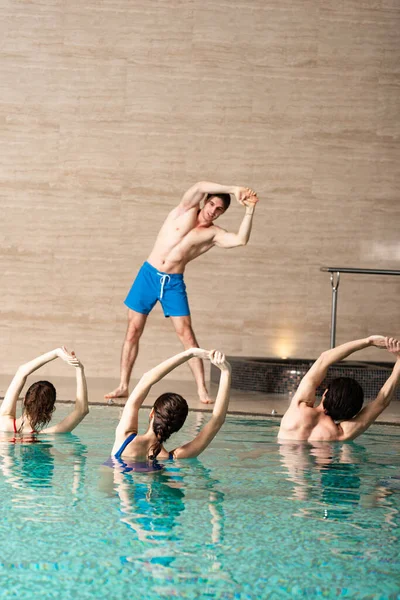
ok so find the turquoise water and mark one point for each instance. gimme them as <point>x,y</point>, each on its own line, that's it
<point>248,519</point>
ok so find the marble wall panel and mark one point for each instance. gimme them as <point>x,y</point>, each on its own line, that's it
<point>110,110</point>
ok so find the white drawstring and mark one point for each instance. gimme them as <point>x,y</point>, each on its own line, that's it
<point>163,279</point>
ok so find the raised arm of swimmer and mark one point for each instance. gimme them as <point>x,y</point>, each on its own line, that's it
<point>169,413</point>
<point>315,376</point>
<point>130,415</point>
<point>81,407</point>
<point>39,401</point>
<point>371,412</point>
<point>210,430</point>
<point>9,405</point>
<point>339,415</point>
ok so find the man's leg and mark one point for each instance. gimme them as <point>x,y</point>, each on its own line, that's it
<point>130,348</point>
<point>183,328</point>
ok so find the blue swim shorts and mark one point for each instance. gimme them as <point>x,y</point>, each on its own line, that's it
<point>151,285</point>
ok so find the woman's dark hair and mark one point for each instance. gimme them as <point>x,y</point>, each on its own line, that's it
<point>39,404</point>
<point>170,412</point>
<point>226,199</point>
<point>343,399</point>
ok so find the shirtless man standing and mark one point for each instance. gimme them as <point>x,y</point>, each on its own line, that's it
<point>187,232</point>
<point>339,416</point>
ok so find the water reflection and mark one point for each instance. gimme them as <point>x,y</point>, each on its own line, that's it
<point>328,473</point>
<point>32,468</point>
<point>152,505</point>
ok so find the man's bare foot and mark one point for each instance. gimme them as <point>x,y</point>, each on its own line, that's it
<point>119,392</point>
<point>204,397</point>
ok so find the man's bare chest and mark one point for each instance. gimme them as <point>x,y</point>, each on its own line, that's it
<point>198,237</point>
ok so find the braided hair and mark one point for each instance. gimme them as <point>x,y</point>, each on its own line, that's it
<point>39,404</point>
<point>170,412</point>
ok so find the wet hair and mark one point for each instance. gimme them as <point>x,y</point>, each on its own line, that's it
<point>39,404</point>
<point>343,399</point>
<point>226,199</point>
<point>170,412</point>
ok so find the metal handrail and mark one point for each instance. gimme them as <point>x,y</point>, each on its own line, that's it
<point>335,280</point>
<point>362,271</point>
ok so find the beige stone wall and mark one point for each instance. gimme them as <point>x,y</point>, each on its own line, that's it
<point>110,109</point>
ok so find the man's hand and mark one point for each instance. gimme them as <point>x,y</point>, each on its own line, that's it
<point>245,196</point>
<point>393,346</point>
<point>379,341</point>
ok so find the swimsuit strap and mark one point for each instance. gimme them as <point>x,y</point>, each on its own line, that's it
<point>124,444</point>
<point>33,432</point>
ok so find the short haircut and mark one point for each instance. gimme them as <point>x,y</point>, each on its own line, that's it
<point>344,398</point>
<point>226,199</point>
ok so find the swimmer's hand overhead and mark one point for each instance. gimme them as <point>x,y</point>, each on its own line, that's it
<point>69,357</point>
<point>379,341</point>
<point>215,356</point>
<point>199,353</point>
<point>218,359</point>
<point>390,344</point>
<point>393,346</point>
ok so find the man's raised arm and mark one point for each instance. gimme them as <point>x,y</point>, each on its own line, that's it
<point>198,192</point>
<point>369,413</point>
<point>226,239</point>
<point>314,377</point>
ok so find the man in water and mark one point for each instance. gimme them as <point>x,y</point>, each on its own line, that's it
<point>338,417</point>
<point>187,232</point>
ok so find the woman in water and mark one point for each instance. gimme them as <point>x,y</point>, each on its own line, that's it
<point>39,401</point>
<point>168,414</point>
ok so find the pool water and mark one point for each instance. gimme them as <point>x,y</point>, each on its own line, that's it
<point>250,518</point>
